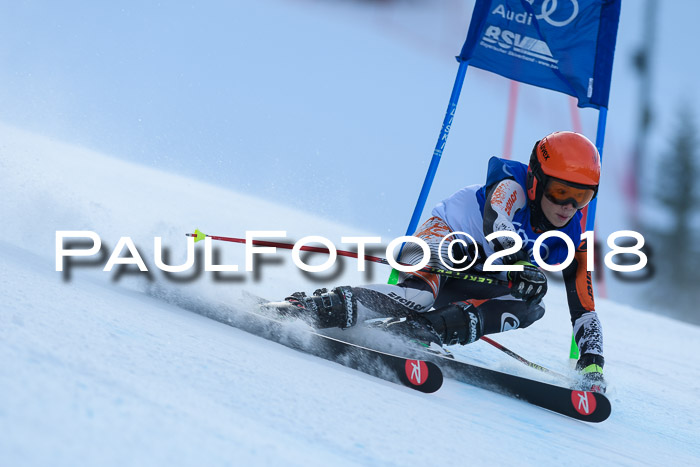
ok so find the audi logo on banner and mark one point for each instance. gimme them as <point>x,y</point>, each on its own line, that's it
<point>549,7</point>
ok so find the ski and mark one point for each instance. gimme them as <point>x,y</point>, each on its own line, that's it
<point>587,406</point>
<point>421,369</point>
<point>421,375</point>
<point>581,405</point>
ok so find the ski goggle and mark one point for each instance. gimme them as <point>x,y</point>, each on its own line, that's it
<point>563,193</point>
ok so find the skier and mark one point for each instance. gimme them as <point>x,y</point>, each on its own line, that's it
<point>548,194</point>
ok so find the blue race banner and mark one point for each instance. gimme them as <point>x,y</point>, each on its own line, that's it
<point>562,45</point>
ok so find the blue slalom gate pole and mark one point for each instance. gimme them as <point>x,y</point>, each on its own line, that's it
<point>439,147</point>
<point>590,219</point>
<point>599,141</point>
<point>435,161</point>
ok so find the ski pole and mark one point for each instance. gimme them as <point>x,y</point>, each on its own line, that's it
<point>468,276</point>
<point>525,361</point>
<point>198,235</point>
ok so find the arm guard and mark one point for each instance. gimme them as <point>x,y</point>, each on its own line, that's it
<point>502,202</point>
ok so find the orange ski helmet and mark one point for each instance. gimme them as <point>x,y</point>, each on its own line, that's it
<point>565,167</point>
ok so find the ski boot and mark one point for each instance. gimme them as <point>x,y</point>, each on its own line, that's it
<point>590,368</point>
<point>334,309</point>
<point>411,329</point>
<point>456,323</point>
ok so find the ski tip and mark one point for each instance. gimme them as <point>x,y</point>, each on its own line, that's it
<point>198,235</point>
<point>590,406</point>
<point>422,376</point>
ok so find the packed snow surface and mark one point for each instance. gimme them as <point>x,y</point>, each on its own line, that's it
<point>104,368</point>
<point>330,108</point>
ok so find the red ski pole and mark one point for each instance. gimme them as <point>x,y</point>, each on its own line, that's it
<point>510,353</point>
<point>481,278</point>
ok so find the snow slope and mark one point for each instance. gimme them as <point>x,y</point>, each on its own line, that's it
<point>331,104</point>
<point>96,370</point>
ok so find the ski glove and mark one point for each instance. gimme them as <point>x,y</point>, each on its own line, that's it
<point>521,255</point>
<point>530,284</point>
<point>590,368</point>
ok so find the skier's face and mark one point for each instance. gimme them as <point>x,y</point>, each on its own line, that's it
<point>557,214</point>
